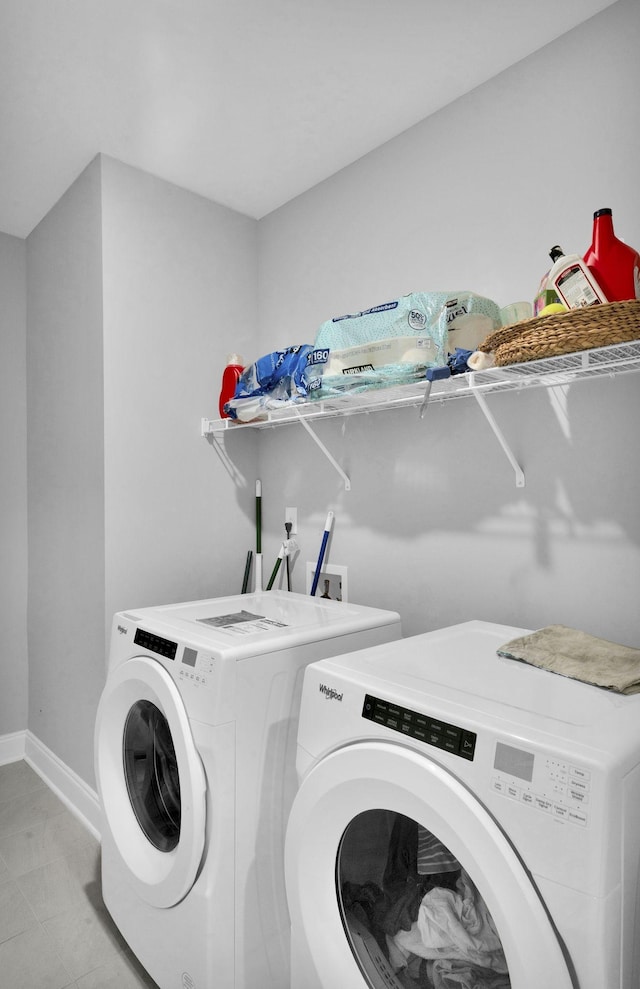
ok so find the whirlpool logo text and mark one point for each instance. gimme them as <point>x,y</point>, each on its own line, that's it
<point>329,693</point>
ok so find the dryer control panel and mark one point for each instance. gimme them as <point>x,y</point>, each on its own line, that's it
<point>545,783</point>
<point>415,724</point>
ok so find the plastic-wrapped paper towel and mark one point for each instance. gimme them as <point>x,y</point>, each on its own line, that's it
<point>277,379</point>
<point>394,343</point>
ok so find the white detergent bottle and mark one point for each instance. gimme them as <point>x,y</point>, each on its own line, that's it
<point>573,281</point>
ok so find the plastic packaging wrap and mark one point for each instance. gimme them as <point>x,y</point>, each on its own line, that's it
<point>277,379</point>
<point>396,342</point>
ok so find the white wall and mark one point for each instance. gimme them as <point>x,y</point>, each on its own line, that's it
<point>13,485</point>
<point>473,198</point>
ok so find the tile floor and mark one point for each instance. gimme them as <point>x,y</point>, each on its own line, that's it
<point>55,932</point>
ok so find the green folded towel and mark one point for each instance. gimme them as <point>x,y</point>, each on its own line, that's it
<point>578,655</point>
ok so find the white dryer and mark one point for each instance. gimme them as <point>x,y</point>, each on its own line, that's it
<point>463,819</point>
<point>195,763</point>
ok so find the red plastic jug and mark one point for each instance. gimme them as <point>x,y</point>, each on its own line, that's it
<point>615,265</point>
<point>230,378</point>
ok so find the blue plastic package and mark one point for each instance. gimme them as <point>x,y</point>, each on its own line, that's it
<point>278,378</point>
<point>458,361</point>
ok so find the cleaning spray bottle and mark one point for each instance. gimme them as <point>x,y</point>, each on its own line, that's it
<point>572,280</point>
<point>615,265</point>
<point>230,378</point>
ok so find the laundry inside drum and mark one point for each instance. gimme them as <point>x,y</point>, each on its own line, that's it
<point>412,915</point>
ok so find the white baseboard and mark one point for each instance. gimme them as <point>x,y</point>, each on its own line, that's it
<point>80,799</point>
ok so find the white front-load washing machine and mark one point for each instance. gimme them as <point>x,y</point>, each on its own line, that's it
<point>463,820</point>
<point>195,764</point>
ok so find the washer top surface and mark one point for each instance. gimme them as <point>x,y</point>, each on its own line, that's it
<point>243,624</point>
<point>458,668</point>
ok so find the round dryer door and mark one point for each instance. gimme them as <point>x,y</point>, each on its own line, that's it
<point>397,876</point>
<point>151,781</point>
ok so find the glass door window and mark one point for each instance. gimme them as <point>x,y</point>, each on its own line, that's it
<point>151,773</point>
<point>374,840</point>
<point>412,915</point>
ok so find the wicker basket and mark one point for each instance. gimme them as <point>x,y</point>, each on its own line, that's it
<point>565,333</point>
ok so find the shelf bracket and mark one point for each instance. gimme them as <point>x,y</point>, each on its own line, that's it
<point>482,402</point>
<point>332,460</point>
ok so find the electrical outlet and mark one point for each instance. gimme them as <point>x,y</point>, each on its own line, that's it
<point>291,515</point>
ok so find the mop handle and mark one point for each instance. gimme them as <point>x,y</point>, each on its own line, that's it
<point>274,572</point>
<point>247,571</point>
<point>323,547</point>
<point>258,516</point>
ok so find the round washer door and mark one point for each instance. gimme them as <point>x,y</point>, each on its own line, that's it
<point>380,777</point>
<point>151,782</point>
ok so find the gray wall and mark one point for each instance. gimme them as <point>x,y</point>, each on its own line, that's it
<point>66,472</point>
<point>13,485</point>
<point>136,291</point>
<point>180,293</point>
<point>473,198</point>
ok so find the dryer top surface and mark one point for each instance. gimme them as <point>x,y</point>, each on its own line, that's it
<point>460,667</point>
<point>245,625</point>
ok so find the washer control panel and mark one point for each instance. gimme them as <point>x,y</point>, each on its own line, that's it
<point>430,730</point>
<point>155,643</point>
<point>545,783</point>
<point>196,667</point>
<point>187,665</point>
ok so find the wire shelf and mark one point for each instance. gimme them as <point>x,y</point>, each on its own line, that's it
<point>548,372</point>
